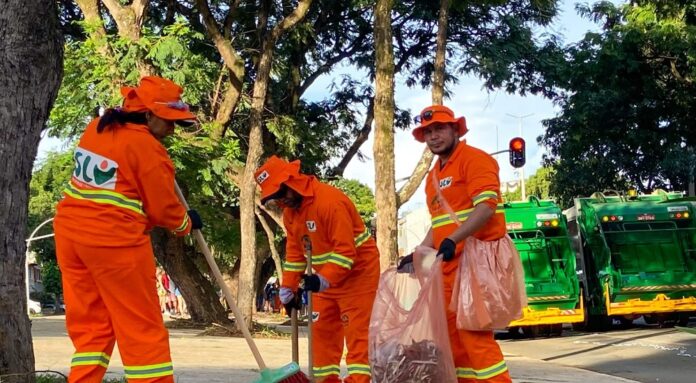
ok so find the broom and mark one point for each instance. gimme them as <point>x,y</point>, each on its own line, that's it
<point>290,373</point>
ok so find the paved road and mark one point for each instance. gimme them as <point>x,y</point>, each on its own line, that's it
<point>208,359</point>
<point>643,353</point>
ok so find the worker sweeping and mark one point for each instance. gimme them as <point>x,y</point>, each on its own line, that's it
<point>345,262</point>
<point>465,179</point>
<point>122,186</point>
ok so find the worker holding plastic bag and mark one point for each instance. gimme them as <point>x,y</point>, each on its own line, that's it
<point>408,327</point>
<point>482,271</point>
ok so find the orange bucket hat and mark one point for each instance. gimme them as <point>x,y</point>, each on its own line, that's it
<point>272,174</point>
<point>160,96</point>
<point>437,113</point>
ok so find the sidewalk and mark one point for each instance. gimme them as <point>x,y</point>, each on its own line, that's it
<point>206,359</point>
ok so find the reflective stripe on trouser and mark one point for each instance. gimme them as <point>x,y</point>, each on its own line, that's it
<point>111,296</point>
<point>341,319</point>
<point>477,356</point>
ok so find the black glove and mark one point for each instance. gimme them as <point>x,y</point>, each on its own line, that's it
<point>196,221</point>
<point>447,249</point>
<point>405,265</point>
<point>295,303</point>
<point>312,283</point>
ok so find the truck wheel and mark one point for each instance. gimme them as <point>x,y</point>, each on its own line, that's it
<point>599,323</point>
<point>556,330</point>
<point>683,319</point>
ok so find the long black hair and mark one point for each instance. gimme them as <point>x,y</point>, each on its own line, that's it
<point>117,116</point>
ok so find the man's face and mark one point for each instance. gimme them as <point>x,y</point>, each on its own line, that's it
<point>288,197</point>
<point>441,138</point>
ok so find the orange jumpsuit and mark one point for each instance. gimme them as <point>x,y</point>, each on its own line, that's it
<point>345,254</point>
<point>468,178</point>
<point>122,186</point>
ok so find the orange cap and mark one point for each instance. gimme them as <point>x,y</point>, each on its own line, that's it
<point>158,95</point>
<point>437,113</point>
<point>272,174</point>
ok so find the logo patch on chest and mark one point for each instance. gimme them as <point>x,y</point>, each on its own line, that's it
<point>311,226</point>
<point>445,182</point>
<point>94,169</point>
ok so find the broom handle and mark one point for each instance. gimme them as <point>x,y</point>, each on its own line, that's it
<point>241,324</point>
<point>310,352</point>
<point>295,340</point>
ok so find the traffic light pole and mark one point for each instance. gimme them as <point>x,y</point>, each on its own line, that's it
<point>519,123</point>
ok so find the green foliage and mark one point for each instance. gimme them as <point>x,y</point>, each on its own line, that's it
<point>627,109</point>
<point>93,80</point>
<point>361,195</point>
<point>539,184</point>
<point>50,278</point>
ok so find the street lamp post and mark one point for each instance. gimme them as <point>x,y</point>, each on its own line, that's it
<point>26,255</point>
<point>519,124</point>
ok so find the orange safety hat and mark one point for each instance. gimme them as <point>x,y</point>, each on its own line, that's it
<point>437,113</point>
<point>271,176</point>
<point>160,96</point>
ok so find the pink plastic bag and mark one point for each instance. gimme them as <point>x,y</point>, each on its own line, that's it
<point>408,339</point>
<point>488,291</point>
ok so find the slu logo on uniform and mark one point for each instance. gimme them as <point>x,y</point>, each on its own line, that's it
<point>311,226</point>
<point>94,169</point>
<point>315,316</point>
<point>262,177</point>
<point>445,182</point>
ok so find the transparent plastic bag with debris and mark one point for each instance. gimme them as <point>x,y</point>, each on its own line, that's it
<point>408,339</point>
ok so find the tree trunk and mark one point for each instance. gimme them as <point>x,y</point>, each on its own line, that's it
<point>247,198</point>
<point>438,95</point>
<point>31,68</point>
<point>385,189</point>
<point>440,53</point>
<point>177,259</point>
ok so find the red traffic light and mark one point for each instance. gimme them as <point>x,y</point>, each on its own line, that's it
<point>517,152</point>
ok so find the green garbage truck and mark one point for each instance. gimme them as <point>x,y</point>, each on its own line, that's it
<point>636,256</point>
<point>539,230</point>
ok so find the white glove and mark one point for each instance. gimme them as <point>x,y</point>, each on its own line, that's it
<point>286,295</point>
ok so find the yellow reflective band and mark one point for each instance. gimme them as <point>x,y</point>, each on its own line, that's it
<point>295,266</point>
<point>332,369</point>
<point>183,225</point>
<point>362,238</point>
<point>445,219</point>
<point>104,197</point>
<point>90,359</point>
<point>149,371</point>
<point>484,196</point>
<point>363,369</point>
<point>332,258</point>
<point>482,374</point>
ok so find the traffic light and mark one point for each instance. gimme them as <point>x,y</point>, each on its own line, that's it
<point>517,156</point>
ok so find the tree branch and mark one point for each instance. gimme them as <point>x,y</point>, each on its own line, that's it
<point>363,135</point>
<point>409,188</point>
<point>290,20</point>
<point>271,244</point>
<point>233,62</point>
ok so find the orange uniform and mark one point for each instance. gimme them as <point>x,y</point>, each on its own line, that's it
<point>468,178</point>
<point>344,253</point>
<point>122,186</point>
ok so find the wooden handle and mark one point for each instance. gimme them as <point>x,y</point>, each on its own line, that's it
<point>295,337</point>
<point>241,324</point>
<point>310,316</point>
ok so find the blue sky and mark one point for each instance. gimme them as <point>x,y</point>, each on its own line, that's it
<point>484,112</point>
